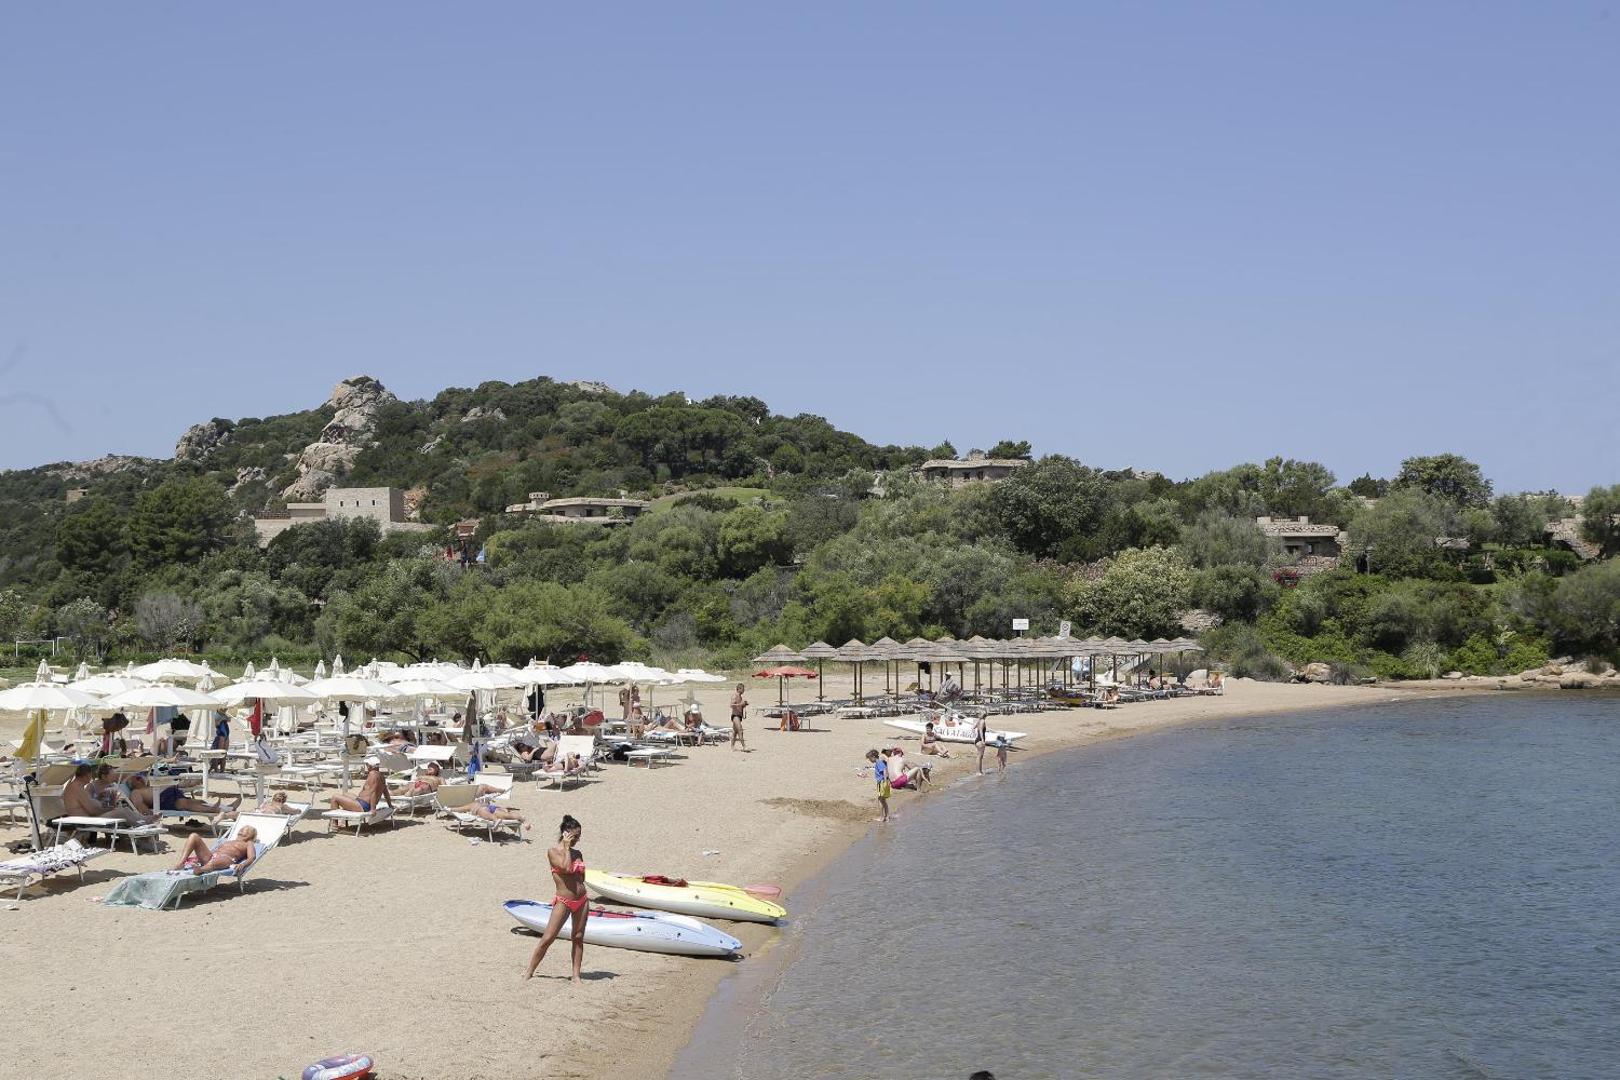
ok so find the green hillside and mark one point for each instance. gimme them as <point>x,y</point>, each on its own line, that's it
<point>767,527</point>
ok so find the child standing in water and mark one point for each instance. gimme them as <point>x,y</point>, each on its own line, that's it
<point>880,773</point>
<point>1001,755</point>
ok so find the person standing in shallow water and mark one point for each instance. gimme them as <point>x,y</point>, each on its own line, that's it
<point>981,732</point>
<point>570,901</point>
<point>880,773</point>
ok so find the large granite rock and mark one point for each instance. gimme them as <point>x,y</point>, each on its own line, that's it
<point>247,474</point>
<point>354,420</point>
<point>1317,672</point>
<point>355,402</point>
<point>203,439</point>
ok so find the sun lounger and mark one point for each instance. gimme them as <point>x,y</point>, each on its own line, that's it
<point>647,755</point>
<point>342,819</point>
<point>115,827</point>
<point>168,887</point>
<point>456,802</point>
<point>42,864</point>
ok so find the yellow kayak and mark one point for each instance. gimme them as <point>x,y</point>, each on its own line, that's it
<point>702,899</point>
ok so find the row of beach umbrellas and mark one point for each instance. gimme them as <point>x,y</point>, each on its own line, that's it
<point>974,650</point>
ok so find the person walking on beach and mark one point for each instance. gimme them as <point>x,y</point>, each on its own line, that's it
<point>981,731</point>
<point>1001,754</point>
<point>570,902</point>
<point>880,773</point>
<point>739,708</point>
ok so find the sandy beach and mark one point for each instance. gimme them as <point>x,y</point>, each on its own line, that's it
<point>395,942</point>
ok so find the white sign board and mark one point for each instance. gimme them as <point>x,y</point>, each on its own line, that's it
<point>1020,624</point>
<point>1064,628</point>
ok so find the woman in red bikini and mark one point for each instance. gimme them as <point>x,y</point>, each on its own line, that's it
<point>571,900</point>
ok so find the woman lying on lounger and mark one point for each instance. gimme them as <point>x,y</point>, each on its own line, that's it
<point>171,799</point>
<point>234,854</point>
<point>276,804</point>
<point>484,807</point>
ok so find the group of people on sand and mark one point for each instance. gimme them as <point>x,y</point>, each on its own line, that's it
<point>890,771</point>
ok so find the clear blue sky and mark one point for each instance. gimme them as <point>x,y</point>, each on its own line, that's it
<point>1176,236</point>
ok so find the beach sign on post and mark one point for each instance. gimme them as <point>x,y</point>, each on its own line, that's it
<point>1063,628</point>
<point>1020,625</point>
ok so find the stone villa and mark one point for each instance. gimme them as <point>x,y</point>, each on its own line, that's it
<point>580,510</point>
<point>974,467</point>
<point>384,505</point>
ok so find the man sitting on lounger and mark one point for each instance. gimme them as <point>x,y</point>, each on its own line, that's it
<point>234,854</point>
<point>372,791</point>
<point>79,802</point>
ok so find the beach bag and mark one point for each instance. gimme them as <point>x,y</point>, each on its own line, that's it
<point>265,753</point>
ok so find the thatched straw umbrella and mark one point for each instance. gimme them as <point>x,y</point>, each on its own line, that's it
<point>779,654</point>
<point>854,652</point>
<point>887,650</point>
<point>820,652</point>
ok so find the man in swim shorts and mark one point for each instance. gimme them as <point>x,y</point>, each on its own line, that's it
<point>372,791</point>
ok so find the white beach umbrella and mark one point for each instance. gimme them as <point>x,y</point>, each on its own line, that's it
<point>43,672</point>
<point>320,669</point>
<point>159,696</point>
<point>428,688</point>
<point>545,675</point>
<point>248,672</point>
<point>49,697</point>
<point>269,691</point>
<point>82,673</point>
<point>487,679</point>
<point>172,668</point>
<point>337,665</point>
<point>351,688</point>
<point>104,685</point>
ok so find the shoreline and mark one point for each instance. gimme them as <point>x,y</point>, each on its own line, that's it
<point>411,915</point>
<point>660,1061</point>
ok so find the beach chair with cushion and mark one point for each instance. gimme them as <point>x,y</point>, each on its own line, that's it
<point>40,865</point>
<point>456,803</point>
<point>167,888</point>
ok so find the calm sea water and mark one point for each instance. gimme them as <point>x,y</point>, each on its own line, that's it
<point>1413,890</point>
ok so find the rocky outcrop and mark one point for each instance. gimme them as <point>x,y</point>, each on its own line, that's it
<point>355,403</point>
<point>201,440</point>
<point>1317,672</point>
<point>478,412</point>
<point>101,466</point>
<point>247,474</point>
<point>354,420</point>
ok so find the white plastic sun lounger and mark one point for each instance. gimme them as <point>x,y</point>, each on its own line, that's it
<point>42,864</point>
<point>166,888</point>
<point>456,803</point>
<point>114,827</point>
<point>342,819</point>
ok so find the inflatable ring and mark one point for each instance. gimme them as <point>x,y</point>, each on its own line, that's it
<point>339,1068</point>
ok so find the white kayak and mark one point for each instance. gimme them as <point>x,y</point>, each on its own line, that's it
<point>646,931</point>
<point>956,729</point>
<point>704,899</point>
